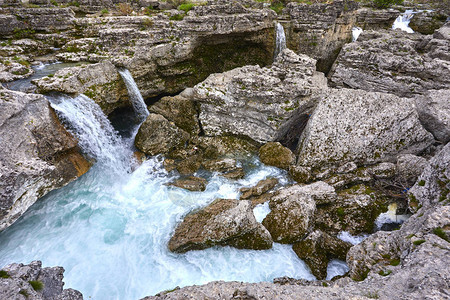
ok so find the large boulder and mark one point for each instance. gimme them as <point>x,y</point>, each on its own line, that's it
<point>263,104</point>
<point>292,211</point>
<point>31,281</point>
<point>434,113</point>
<point>275,154</point>
<point>224,222</point>
<point>37,154</point>
<point>363,127</point>
<point>157,135</point>
<point>394,62</point>
<point>318,248</point>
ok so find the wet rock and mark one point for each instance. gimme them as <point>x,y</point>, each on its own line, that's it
<point>158,136</point>
<point>259,103</point>
<point>236,173</point>
<point>189,165</point>
<point>100,82</point>
<point>15,283</point>
<point>220,165</point>
<point>434,113</point>
<point>191,183</point>
<point>260,188</point>
<point>292,212</point>
<point>37,154</point>
<point>394,62</point>
<point>354,210</point>
<point>223,222</point>
<point>318,248</point>
<point>275,154</point>
<point>213,147</point>
<point>179,110</point>
<point>361,127</point>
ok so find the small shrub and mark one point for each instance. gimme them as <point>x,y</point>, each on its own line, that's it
<point>395,262</point>
<point>24,292</point>
<point>36,284</point>
<point>441,233</point>
<point>74,3</point>
<point>421,183</point>
<point>124,9</point>
<point>418,242</point>
<point>386,3</point>
<point>277,7</point>
<point>177,17</point>
<point>186,7</point>
<point>4,274</point>
<point>104,11</point>
<point>53,2</point>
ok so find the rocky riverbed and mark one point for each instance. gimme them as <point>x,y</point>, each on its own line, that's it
<point>221,158</point>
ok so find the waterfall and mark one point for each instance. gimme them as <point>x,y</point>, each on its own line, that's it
<point>402,21</point>
<point>280,40</point>
<point>96,136</point>
<point>135,95</point>
<point>356,31</point>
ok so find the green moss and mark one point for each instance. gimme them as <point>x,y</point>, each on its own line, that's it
<point>441,233</point>
<point>324,284</point>
<point>186,7</point>
<point>421,183</point>
<point>277,7</point>
<point>394,262</point>
<point>24,293</point>
<point>36,284</point>
<point>418,242</point>
<point>177,17</point>
<point>385,272</point>
<point>4,274</point>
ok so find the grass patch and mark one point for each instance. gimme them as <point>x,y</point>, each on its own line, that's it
<point>186,7</point>
<point>421,183</point>
<point>395,262</point>
<point>36,284</point>
<point>418,242</point>
<point>4,274</point>
<point>177,17</point>
<point>441,233</point>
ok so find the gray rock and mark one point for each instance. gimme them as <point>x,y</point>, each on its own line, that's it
<point>220,165</point>
<point>223,222</point>
<point>434,113</point>
<point>263,186</point>
<point>16,283</point>
<point>275,154</point>
<point>191,183</point>
<point>363,127</point>
<point>260,103</point>
<point>409,167</point>
<point>37,154</point>
<point>159,136</point>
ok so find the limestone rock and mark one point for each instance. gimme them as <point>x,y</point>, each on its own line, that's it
<point>37,154</point>
<point>101,82</point>
<point>191,183</point>
<point>223,222</point>
<point>292,212</point>
<point>275,154</point>
<point>394,62</point>
<point>409,167</point>
<point>426,22</point>
<point>260,188</point>
<point>159,136</point>
<point>15,284</point>
<point>318,248</point>
<point>363,127</point>
<point>179,110</point>
<point>434,113</point>
<point>220,165</point>
<point>260,103</point>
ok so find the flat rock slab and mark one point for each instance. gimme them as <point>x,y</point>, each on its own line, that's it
<point>192,183</point>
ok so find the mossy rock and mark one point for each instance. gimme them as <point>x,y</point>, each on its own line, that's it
<point>275,154</point>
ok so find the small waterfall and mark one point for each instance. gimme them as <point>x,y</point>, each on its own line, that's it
<point>280,40</point>
<point>356,31</point>
<point>135,95</point>
<point>402,21</point>
<point>96,136</point>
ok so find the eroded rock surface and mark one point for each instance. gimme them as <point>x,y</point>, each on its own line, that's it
<point>37,154</point>
<point>223,222</point>
<point>274,154</point>
<point>15,283</point>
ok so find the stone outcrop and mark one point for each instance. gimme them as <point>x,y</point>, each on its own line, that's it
<point>263,186</point>
<point>318,248</point>
<point>37,154</point>
<point>190,183</point>
<point>260,103</point>
<point>33,282</point>
<point>363,127</point>
<point>157,135</point>
<point>395,62</point>
<point>101,82</point>
<point>223,222</point>
<point>274,154</point>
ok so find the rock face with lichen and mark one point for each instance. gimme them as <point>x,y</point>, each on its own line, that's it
<point>363,127</point>
<point>37,154</point>
<point>264,104</point>
<point>16,283</point>
<point>223,222</point>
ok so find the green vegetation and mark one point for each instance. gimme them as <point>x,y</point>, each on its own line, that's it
<point>4,274</point>
<point>441,233</point>
<point>372,295</point>
<point>36,284</point>
<point>385,272</point>
<point>177,17</point>
<point>186,7</point>
<point>24,292</point>
<point>386,3</point>
<point>421,183</point>
<point>395,262</point>
<point>104,11</point>
<point>418,242</point>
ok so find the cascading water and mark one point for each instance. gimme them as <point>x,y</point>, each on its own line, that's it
<point>280,44</point>
<point>110,228</point>
<point>135,95</point>
<point>356,31</point>
<point>402,21</point>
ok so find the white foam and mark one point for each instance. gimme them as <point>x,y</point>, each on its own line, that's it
<point>356,31</point>
<point>261,211</point>
<point>352,239</point>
